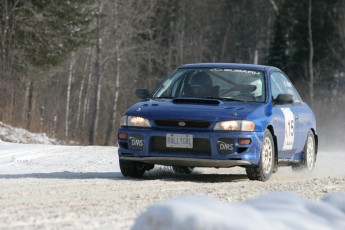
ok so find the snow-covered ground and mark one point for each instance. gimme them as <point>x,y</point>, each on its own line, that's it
<point>46,186</point>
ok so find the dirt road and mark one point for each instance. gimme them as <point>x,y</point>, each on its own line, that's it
<point>73,187</point>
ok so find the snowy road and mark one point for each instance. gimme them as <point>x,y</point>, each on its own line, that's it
<point>74,187</point>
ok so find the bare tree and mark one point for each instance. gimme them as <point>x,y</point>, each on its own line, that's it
<point>68,98</point>
<point>84,82</point>
<point>116,60</point>
<point>98,75</point>
<point>338,21</point>
<point>311,55</point>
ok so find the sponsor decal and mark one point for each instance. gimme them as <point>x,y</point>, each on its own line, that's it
<point>243,71</point>
<point>136,141</point>
<point>289,136</point>
<point>225,145</point>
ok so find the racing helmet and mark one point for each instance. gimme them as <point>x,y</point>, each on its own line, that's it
<point>201,79</point>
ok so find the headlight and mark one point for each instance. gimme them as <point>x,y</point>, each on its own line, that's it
<point>134,121</point>
<point>235,125</point>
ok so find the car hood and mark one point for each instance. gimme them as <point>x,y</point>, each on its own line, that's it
<point>193,109</point>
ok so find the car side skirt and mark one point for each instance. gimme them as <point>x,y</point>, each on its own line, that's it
<point>189,162</point>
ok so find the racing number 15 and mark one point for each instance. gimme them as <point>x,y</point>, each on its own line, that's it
<point>290,131</point>
<point>289,128</point>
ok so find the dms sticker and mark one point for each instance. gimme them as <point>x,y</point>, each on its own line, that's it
<point>136,141</point>
<point>225,145</point>
<point>289,128</point>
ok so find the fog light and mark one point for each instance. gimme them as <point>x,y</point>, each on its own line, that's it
<point>244,141</point>
<point>123,136</point>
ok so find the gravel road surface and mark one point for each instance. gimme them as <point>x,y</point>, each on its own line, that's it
<point>74,187</point>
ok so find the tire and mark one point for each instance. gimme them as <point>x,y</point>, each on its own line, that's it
<point>264,169</point>
<point>133,169</point>
<point>182,170</point>
<point>307,162</point>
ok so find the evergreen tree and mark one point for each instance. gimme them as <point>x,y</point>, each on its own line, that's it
<point>289,48</point>
<point>278,53</point>
<point>43,32</point>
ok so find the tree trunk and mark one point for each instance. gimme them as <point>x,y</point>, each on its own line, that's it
<point>182,39</point>
<point>274,6</point>
<point>117,57</point>
<point>81,90</point>
<point>115,102</point>
<point>98,76</point>
<point>70,76</point>
<point>86,104</point>
<point>30,91</point>
<point>311,56</point>
<point>224,48</point>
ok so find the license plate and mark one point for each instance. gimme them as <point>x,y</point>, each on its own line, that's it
<point>179,141</point>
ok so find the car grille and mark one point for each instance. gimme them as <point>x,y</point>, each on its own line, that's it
<point>201,146</point>
<point>183,124</point>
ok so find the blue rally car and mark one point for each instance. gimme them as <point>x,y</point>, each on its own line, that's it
<point>219,115</point>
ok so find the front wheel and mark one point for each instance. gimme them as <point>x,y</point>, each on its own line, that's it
<point>264,169</point>
<point>133,168</point>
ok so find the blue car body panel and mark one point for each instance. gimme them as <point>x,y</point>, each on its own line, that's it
<point>149,142</point>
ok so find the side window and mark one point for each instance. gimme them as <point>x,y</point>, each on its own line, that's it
<point>281,84</point>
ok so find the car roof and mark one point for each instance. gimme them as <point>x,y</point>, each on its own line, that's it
<point>230,66</point>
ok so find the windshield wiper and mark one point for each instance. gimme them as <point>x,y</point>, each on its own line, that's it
<point>223,99</point>
<point>212,98</point>
<point>231,99</point>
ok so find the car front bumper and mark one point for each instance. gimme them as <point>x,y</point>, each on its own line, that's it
<point>149,146</point>
<point>188,162</point>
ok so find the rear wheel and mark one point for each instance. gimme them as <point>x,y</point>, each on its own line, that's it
<point>309,155</point>
<point>182,170</point>
<point>264,169</point>
<point>133,168</point>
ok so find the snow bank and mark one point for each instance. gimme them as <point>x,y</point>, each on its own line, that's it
<point>281,210</point>
<point>18,135</point>
<point>50,160</point>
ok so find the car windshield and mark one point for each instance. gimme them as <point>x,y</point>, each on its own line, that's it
<point>224,84</point>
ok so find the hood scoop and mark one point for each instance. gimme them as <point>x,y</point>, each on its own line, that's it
<point>203,101</point>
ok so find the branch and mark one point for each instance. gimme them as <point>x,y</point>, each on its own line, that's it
<point>274,6</point>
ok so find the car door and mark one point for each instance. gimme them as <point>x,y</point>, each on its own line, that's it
<point>286,116</point>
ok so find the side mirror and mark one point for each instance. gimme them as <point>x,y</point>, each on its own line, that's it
<point>142,93</point>
<point>283,99</point>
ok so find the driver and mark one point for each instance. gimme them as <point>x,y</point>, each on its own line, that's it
<point>201,84</point>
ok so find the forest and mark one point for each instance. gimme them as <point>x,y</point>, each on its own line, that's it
<point>69,68</point>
